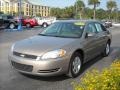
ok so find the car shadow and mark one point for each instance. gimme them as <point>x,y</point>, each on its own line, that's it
<point>85,67</point>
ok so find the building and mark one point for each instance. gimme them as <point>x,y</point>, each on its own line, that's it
<point>28,9</point>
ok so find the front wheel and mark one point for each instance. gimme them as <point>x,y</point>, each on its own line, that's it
<point>12,26</point>
<point>75,65</point>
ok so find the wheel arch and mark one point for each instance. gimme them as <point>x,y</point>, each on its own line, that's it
<point>76,51</point>
<point>109,41</point>
<point>81,52</point>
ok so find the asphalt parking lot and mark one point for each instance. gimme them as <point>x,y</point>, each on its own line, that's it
<point>12,80</point>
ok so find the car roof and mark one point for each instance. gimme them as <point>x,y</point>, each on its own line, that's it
<point>73,21</point>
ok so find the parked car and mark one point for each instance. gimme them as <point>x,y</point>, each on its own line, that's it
<point>27,21</point>
<point>62,48</point>
<point>45,21</point>
<point>8,21</point>
<point>108,24</point>
<point>105,24</point>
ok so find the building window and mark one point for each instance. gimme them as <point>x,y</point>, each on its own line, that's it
<point>27,9</point>
<point>27,5</point>
<point>27,13</point>
<point>18,4</point>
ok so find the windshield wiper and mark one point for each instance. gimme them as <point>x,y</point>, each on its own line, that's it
<point>48,35</point>
<point>42,35</point>
<point>57,36</point>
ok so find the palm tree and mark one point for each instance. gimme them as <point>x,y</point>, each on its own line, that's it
<point>95,3</point>
<point>111,5</point>
<point>80,7</point>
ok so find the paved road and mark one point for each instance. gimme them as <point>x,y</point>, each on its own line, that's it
<point>12,80</point>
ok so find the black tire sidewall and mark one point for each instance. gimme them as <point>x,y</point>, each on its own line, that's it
<point>11,24</point>
<point>104,53</point>
<point>71,63</point>
<point>44,24</point>
<point>28,25</point>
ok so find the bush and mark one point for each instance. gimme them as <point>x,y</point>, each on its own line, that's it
<point>107,79</point>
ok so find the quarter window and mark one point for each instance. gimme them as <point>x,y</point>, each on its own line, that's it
<point>103,28</point>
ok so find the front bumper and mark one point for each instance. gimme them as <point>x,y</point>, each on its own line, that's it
<point>50,67</point>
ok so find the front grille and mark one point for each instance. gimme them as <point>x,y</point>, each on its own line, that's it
<point>22,67</point>
<point>49,71</point>
<point>24,55</point>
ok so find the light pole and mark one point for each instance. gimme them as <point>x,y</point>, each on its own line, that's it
<point>20,15</point>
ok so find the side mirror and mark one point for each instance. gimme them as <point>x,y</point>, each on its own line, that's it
<point>90,34</point>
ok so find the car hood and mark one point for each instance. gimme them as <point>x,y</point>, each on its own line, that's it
<point>39,45</point>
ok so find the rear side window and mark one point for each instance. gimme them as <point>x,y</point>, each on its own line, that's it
<point>4,17</point>
<point>9,17</point>
<point>91,28</point>
<point>98,27</point>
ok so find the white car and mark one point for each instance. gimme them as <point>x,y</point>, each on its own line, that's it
<point>45,21</point>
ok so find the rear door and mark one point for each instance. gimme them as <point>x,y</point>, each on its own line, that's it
<point>102,34</point>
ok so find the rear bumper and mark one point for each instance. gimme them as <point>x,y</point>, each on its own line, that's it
<point>40,68</point>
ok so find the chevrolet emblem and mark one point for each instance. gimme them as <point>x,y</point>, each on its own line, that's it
<point>22,55</point>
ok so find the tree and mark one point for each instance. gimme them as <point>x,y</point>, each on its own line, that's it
<point>95,3</point>
<point>1,12</point>
<point>101,14</point>
<point>111,5</point>
<point>56,12</point>
<point>80,7</point>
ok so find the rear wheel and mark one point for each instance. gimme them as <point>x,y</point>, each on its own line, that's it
<point>44,25</point>
<point>12,26</point>
<point>107,50</point>
<point>28,25</point>
<point>75,65</point>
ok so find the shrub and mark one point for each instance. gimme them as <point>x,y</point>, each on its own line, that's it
<point>107,79</point>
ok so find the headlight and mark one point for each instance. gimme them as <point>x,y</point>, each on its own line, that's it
<point>54,54</point>
<point>12,47</point>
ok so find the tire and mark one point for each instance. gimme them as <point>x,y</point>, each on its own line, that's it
<point>106,50</point>
<point>45,25</point>
<point>11,26</point>
<point>75,65</point>
<point>28,25</point>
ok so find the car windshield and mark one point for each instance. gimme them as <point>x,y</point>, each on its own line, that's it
<point>64,29</point>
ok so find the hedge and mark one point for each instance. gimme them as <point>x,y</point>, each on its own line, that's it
<point>107,79</point>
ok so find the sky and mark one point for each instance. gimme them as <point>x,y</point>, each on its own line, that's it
<point>65,3</point>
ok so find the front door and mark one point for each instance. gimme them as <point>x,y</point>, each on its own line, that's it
<point>92,42</point>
